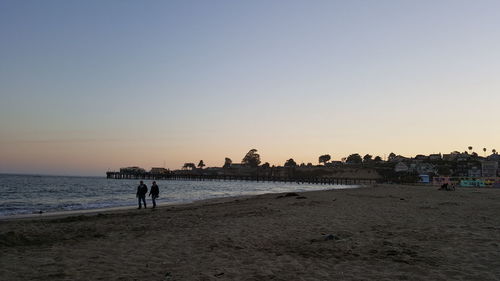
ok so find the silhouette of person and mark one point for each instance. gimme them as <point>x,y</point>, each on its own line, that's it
<point>142,190</point>
<point>154,193</point>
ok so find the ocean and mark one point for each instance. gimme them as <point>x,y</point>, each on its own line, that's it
<point>31,194</point>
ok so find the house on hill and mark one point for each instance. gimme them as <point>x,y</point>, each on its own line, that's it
<point>401,167</point>
<point>399,158</point>
<point>494,157</point>
<point>474,172</point>
<point>435,157</point>
<point>489,168</point>
<point>422,168</point>
<point>421,157</point>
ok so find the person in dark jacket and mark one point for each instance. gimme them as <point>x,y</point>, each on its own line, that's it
<point>142,190</point>
<point>154,193</point>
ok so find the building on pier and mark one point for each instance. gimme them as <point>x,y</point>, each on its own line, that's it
<point>159,171</point>
<point>132,170</point>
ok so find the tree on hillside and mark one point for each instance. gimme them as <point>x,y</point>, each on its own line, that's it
<point>367,158</point>
<point>470,148</point>
<point>377,159</point>
<point>494,151</point>
<point>265,165</point>
<point>290,163</point>
<point>191,166</point>
<point>484,150</point>
<point>251,159</point>
<point>391,157</point>
<point>201,164</point>
<point>324,158</point>
<point>227,163</point>
<point>354,159</point>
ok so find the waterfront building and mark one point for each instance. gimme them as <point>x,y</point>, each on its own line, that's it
<point>159,171</point>
<point>132,170</point>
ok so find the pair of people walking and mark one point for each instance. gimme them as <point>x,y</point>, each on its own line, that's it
<point>142,190</point>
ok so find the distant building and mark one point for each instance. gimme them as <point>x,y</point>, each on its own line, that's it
<point>462,169</point>
<point>401,167</point>
<point>159,171</point>
<point>463,157</point>
<point>218,169</point>
<point>494,157</point>
<point>422,168</point>
<point>474,172</point>
<point>435,157</point>
<point>450,157</point>
<point>489,168</point>
<point>456,156</point>
<point>132,170</point>
<point>424,178</point>
<point>399,158</point>
<point>421,157</point>
<point>214,168</point>
<point>213,171</point>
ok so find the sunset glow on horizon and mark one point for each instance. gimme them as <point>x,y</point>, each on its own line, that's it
<point>93,86</point>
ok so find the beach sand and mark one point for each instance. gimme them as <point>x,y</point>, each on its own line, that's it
<point>385,232</point>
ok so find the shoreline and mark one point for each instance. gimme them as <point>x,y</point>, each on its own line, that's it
<point>125,209</point>
<point>118,209</point>
<point>133,204</point>
<point>382,232</point>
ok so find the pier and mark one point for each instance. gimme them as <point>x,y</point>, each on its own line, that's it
<point>202,177</point>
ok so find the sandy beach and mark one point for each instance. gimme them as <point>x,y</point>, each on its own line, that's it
<point>384,232</point>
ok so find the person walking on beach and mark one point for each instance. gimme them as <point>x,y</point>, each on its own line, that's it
<point>142,190</point>
<point>154,193</point>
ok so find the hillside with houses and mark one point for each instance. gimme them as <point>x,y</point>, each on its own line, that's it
<point>466,168</point>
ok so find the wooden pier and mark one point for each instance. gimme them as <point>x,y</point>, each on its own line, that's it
<point>194,177</point>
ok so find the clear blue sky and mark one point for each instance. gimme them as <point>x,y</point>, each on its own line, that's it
<point>91,85</point>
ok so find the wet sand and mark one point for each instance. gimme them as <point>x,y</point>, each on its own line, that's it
<point>372,233</point>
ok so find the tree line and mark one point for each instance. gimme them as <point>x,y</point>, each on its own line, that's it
<point>252,159</point>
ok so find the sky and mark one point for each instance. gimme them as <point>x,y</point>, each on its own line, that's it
<point>91,86</point>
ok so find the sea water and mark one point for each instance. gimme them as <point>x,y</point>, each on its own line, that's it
<point>28,194</point>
